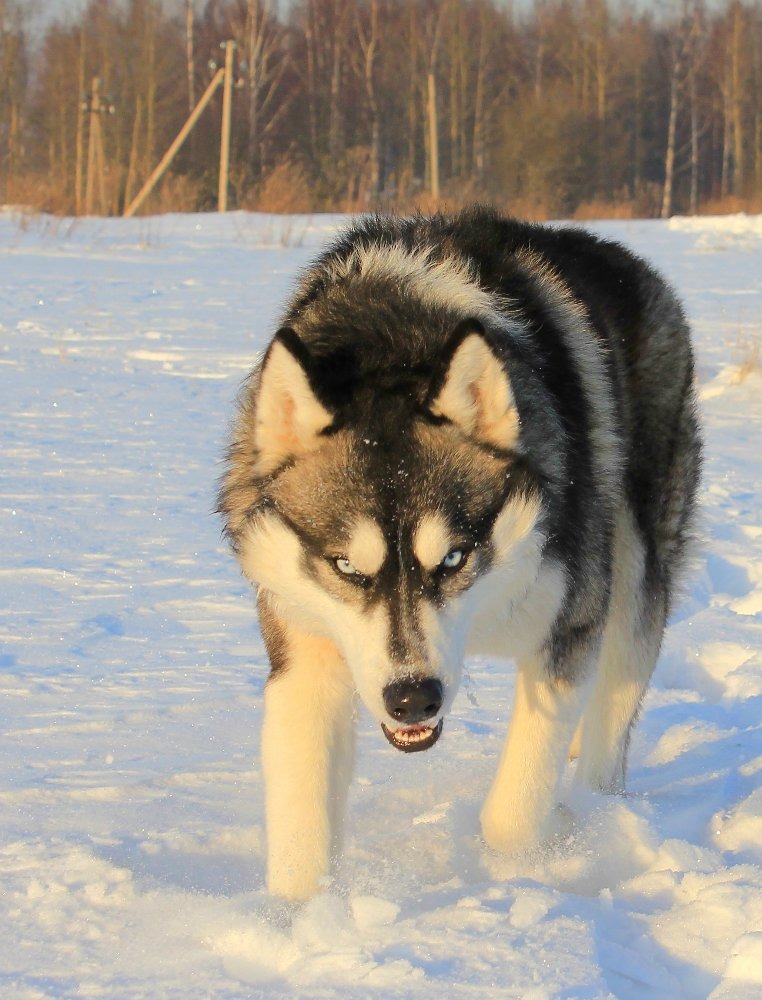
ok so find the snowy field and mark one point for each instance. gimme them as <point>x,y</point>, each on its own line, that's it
<point>132,669</point>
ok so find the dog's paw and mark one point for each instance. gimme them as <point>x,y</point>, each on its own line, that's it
<point>506,833</point>
<point>512,834</point>
<point>600,776</point>
<point>296,883</point>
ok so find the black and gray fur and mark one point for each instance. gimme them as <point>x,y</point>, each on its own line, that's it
<point>597,352</point>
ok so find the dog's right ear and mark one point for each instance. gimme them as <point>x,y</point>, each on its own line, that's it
<point>289,417</point>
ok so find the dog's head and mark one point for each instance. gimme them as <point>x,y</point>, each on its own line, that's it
<point>373,511</point>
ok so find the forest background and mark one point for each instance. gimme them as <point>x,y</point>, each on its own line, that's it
<point>573,108</point>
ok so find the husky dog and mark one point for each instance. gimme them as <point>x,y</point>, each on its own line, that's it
<point>468,434</point>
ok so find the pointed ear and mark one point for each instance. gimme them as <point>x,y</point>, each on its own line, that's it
<point>288,417</point>
<point>475,392</point>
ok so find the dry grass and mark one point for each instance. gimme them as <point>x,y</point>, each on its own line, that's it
<point>731,205</point>
<point>175,193</point>
<point>285,190</point>
<point>288,189</point>
<point>38,193</point>
<point>587,211</point>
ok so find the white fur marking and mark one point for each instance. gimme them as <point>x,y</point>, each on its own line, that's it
<point>367,548</point>
<point>432,541</point>
<point>451,283</point>
<point>514,523</point>
<point>517,604</point>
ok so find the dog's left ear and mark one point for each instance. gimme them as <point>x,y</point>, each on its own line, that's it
<point>474,392</point>
<point>289,417</point>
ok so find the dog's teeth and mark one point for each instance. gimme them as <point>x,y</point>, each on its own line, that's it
<point>412,737</point>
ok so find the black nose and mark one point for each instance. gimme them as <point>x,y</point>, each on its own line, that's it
<point>413,700</point>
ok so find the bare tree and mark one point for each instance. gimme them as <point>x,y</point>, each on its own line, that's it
<point>13,57</point>
<point>368,37</point>
<point>548,105</point>
<point>682,50</point>
<point>432,39</point>
<point>265,64</point>
<point>190,56</point>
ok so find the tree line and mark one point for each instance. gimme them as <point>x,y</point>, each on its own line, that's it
<point>554,108</point>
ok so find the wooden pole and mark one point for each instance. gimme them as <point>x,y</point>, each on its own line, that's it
<point>94,109</point>
<point>182,135</point>
<point>132,167</point>
<point>227,102</point>
<point>80,141</point>
<point>669,159</point>
<point>100,166</point>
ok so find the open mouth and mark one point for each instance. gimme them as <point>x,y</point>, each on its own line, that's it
<point>411,739</point>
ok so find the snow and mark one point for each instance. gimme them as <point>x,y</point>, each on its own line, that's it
<point>131,669</point>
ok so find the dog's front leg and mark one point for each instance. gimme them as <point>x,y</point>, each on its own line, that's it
<point>518,812</point>
<point>307,751</point>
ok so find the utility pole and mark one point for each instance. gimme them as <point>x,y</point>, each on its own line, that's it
<point>182,135</point>
<point>222,75</point>
<point>96,105</point>
<point>227,103</point>
<point>80,138</point>
<point>93,137</point>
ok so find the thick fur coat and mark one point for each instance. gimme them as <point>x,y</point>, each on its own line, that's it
<point>468,433</point>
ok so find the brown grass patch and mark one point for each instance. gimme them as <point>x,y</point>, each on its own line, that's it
<point>731,205</point>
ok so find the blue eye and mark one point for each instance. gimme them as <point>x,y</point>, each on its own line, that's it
<point>454,559</point>
<point>345,567</point>
<point>350,572</point>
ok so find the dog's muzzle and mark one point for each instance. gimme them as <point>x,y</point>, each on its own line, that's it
<point>412,702</point>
